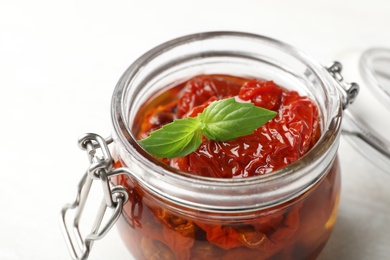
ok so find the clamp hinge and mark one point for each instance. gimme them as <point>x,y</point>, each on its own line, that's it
<point>348,91</point>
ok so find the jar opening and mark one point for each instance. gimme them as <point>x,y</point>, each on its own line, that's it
<point>238,54</point>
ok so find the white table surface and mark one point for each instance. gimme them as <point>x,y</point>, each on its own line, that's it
<point>60,60</point>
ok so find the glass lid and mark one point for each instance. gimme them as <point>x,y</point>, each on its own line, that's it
<point>367,121</point>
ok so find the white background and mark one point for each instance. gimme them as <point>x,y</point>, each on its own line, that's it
<point>59,63</point>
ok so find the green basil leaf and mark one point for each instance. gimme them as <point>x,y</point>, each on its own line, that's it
<point>228,119</point>
<point>221,121</point>
<point>177,139</point>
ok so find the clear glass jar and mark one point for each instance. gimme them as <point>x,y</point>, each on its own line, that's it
<point>288,214</point>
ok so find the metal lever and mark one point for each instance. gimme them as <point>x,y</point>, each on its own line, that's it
<point>101,169</point>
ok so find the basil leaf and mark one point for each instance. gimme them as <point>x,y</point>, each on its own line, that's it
<point>177,139</point>
<point>228,119</point>
<point>221,121</point>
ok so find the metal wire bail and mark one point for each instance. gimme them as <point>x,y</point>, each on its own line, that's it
<point>100,169</point>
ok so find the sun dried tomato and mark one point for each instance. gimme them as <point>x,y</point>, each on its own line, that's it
<point>200,89</point>
<point>276,144</point>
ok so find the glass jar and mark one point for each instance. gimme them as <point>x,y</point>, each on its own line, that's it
<point>288,214</point>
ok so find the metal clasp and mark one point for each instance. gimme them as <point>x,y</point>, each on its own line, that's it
<point>115,196</point>
<point>349,91</point>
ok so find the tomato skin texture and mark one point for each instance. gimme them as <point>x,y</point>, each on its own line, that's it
<point>201,89</point>
<point>280,142</point>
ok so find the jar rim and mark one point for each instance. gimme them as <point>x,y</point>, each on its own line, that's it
<point>124,136</point>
